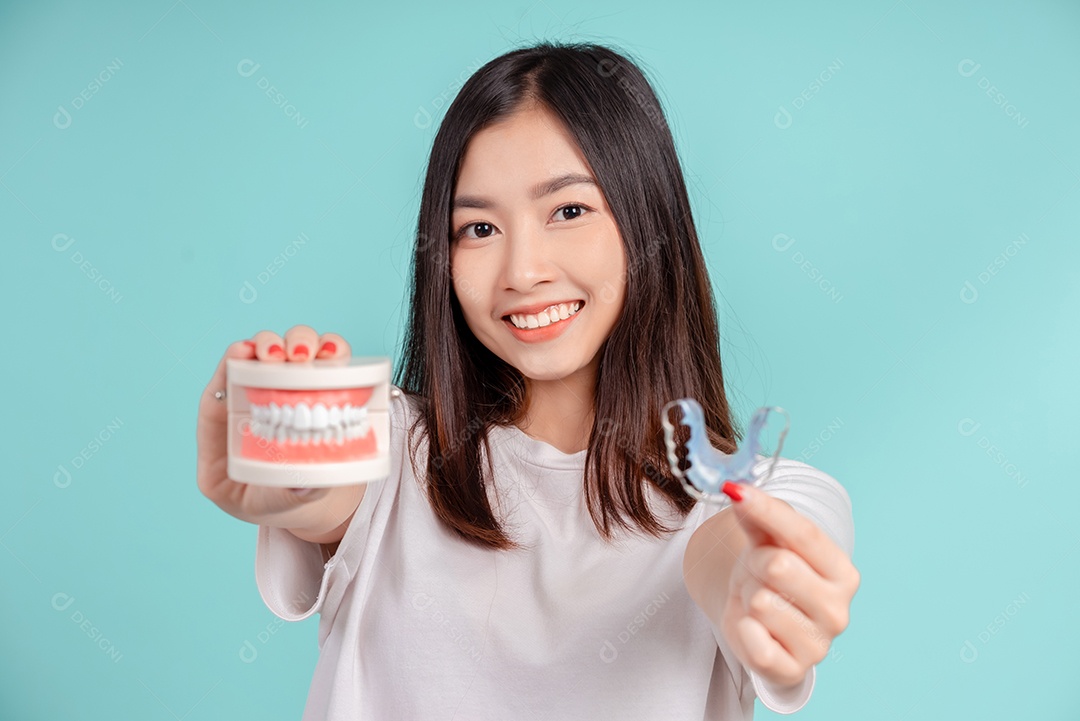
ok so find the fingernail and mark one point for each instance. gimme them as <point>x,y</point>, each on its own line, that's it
<point>301,491</point>
<point>249,344</point>
<point>276,351</point>
<point>329,348</point>
<point>732,490</point>
<point>300,351</point>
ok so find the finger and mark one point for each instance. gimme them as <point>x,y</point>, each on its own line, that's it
<point>213,414</point>
<point>242,350</point>
<point>301,342</point>
<point>799,635</point>
<point>765,654</point>
<point>768,520</point>
<point>786,573</point>
<point>269,346</point>
<point>332,345</point>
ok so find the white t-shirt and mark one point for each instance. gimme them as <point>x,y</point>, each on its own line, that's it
<point>417,624</point>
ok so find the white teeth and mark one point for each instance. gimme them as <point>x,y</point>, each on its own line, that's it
<point>545,317</point>
<point>302,417</point>
<point>306,424</point>
<point>320,417</point>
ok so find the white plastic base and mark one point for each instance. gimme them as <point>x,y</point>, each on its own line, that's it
<point>305,475</point>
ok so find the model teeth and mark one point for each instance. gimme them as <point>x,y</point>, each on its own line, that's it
<point>309,424</point>
<point>546,317</point>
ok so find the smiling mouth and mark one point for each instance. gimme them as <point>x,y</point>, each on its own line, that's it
<point>549,316</point>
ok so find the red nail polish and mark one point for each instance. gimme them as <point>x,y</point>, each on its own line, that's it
<point>301,351</point>
<point>329,348</point>
<point>276,350</point>
<point>732,490</point>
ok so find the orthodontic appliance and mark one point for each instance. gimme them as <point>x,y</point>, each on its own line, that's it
<point>709,467</point>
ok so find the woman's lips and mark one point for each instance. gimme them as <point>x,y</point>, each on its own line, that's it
<point>545,333</point>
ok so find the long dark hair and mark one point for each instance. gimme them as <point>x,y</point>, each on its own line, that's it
<point>665,344</point>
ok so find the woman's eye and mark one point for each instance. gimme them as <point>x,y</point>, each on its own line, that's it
<point>465,228</point>
<point>579,208</point>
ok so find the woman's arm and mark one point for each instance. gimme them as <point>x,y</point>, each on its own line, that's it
<point>328,519</point>
<point>710,555</point>
<point>774,583</point>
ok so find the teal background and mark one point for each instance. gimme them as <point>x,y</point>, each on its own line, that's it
<point>944,402</point>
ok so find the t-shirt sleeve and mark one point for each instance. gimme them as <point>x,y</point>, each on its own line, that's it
<point>822,499</point>
<point>292,578</point>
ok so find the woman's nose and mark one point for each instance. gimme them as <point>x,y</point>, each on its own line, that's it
<point>527,260</point>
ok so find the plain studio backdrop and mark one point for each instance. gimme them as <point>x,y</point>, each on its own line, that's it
<point>888,196</point>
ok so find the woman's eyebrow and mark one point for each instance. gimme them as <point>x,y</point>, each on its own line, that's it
<point>538,191</point>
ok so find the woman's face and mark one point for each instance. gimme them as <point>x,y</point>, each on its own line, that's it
<point>518,248</point>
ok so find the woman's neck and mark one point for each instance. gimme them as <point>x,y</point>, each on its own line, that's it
<point>561,411</point>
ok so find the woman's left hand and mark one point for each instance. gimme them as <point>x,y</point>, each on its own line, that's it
<point>790,591</point>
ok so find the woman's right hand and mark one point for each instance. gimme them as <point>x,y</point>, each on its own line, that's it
<point>307,508</point>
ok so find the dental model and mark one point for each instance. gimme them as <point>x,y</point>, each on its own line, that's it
<point>316,424</point>
<point>709,467</point>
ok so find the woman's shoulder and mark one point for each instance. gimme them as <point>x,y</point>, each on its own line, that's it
<point>812,492</point>
<point>799,474</point>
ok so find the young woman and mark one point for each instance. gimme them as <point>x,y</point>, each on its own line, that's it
<point>530,554</point>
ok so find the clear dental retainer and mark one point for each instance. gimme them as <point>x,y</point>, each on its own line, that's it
<point>708,467</point>
<point>314,424</point>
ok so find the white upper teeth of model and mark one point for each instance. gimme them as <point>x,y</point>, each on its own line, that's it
<point>546,317</point>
